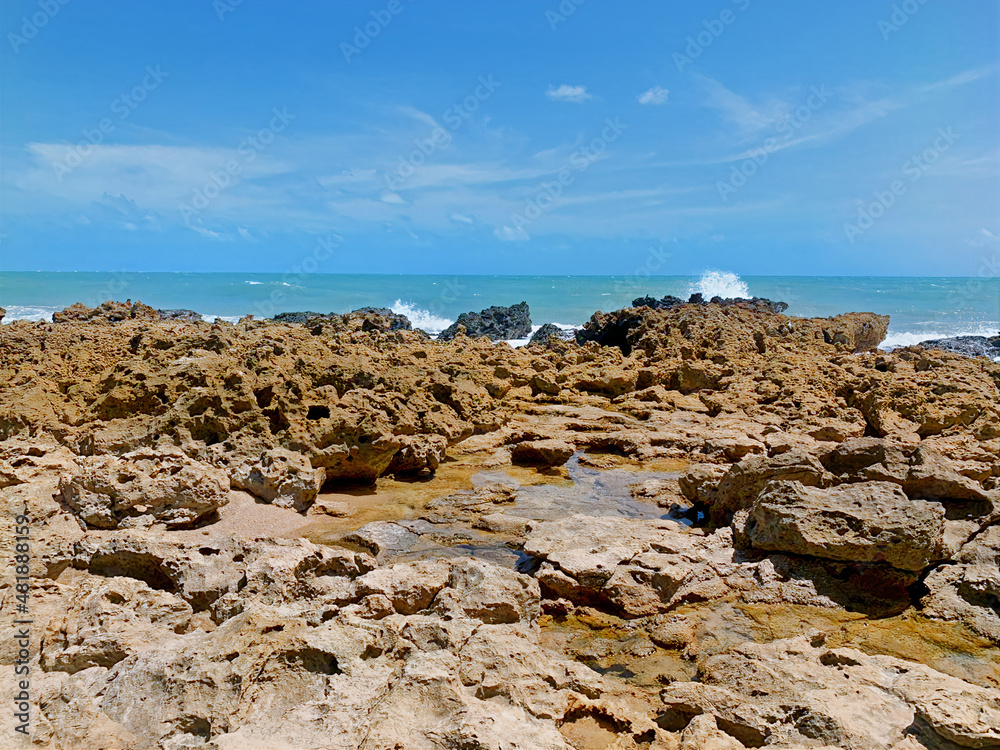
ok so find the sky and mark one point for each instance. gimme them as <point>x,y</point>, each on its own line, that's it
<point>798,137</point>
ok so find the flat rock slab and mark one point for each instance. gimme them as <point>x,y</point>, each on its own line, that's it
<point>862,522</point>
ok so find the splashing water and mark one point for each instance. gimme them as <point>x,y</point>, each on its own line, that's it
<point>423,319</point>
<point>725,284</point>
<point>25,312</point>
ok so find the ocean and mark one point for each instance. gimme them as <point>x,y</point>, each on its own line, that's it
<point>919,308</point>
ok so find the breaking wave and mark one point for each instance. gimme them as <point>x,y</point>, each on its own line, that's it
<point>27,312</point>
<point>725,284</point>
<point>420,318</point>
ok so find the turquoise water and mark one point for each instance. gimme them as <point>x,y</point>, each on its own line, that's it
<point>919,307</point>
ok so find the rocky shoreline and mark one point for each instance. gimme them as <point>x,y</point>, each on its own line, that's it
<point>697,525</point>
<point>970,346</point>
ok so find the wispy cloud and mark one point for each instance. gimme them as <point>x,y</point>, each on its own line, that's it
<point>507,233</point>
<point>567,93</point>
<point>306,182</point>
<point>857,108</point>
<point>655,95</point>
<point>748,116</point>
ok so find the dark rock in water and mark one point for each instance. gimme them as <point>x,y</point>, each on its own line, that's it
<point>188,316</point>
<point>756,303</point>
<point>496,323</point>
<point>365,318</point>
<point>657,304</point>
<point>298,317</point>
<point>970,346</point>
<point>2,313</point>
<point>547,331</point>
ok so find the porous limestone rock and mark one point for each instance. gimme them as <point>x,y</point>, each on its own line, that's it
<point>167,487</point>
<point>862,522</point>
<point>542,452</point>
<point>280,477</point>
<point>797,693</point>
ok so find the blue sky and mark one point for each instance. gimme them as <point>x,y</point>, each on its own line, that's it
<point>429,136</point>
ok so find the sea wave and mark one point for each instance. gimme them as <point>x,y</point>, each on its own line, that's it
<point>725,284</point>
<point>273,283</point>
<point>423,319</point>
<point>28,312</point>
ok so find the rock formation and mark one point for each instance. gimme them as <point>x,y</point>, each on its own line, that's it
<point>698,525</point>
<point>548,331</point>
<point>970,346</point>
<point>495,323</point>
<point>364,318</point>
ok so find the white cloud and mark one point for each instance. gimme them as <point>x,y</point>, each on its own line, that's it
<point>655,95</point>
<point>419,116</point>
<point>749,117</point>
<point>206,232</point>
<point>511,234</point>
<point>567,93</point>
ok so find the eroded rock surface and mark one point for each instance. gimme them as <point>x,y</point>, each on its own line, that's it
<point>798,693</point>
<point>159,486</point>
<point>330,531</point>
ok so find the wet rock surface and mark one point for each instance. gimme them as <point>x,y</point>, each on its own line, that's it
<point>364,318</point>
<point>188,316</point>
<point>547,331</point>
<point>759,304</point>
<point>970,346</point>
<point>709,525</point>
<point>495,323</point>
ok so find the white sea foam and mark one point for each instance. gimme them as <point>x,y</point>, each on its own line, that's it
<point>423,319</point>
<point>896,339</point>
<point>226,318</point>
<point>27,312</point>
<point>725,284</point>
<point>254,283</point>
